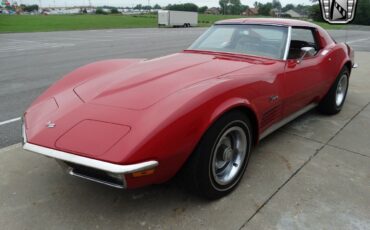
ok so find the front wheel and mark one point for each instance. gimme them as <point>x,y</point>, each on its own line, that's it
<point>219,162</point>
<point>334,100</point>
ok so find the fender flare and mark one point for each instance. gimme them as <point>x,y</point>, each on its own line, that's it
<point>240,104</point>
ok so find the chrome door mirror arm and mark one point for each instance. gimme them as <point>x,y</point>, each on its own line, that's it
<point>306,50</point>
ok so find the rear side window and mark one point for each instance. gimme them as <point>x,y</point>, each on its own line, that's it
<point>306,35</point>
<point>301,37</point>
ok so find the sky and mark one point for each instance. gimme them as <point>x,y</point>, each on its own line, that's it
<point>123,3</point>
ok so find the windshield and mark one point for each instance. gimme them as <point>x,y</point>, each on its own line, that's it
<point>258,40</point>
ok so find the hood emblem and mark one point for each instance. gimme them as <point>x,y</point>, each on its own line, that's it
<point>50,124</point>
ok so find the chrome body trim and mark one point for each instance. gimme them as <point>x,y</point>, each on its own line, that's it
<point>286,120</point>
<point>88,162</point>
<point>24,137</point>
<point>324,52</point>
<point>71,171</point>
<point>252,23</point>
<point>82,176</point>
<point>289,38</point>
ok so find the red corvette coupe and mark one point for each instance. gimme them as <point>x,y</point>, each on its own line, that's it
<point>128,123</point>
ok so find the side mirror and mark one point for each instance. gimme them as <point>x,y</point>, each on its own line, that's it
<point>306,50</point>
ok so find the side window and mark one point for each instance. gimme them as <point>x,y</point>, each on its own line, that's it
<point>301,37</point>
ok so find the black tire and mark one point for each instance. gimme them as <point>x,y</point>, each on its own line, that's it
<point>329,104</point>
<point>198,173</point>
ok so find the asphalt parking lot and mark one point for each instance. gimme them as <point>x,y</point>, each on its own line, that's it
<point>312,174</point>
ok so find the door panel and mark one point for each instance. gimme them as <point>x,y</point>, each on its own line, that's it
<point>303,83</point>
<point>303,80</point>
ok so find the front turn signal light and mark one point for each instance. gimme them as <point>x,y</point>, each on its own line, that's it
<point>143,173</point>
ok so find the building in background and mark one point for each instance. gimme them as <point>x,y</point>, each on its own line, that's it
<point>290,14</point>
<point>213,10</point>
<point>251,12</point>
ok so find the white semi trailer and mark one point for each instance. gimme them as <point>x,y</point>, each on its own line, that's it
<point>177,18</point>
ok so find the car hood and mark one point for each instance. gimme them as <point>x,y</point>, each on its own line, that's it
<point>106,111</point>
<point>144,83</point>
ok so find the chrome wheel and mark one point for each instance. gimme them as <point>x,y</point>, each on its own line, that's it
<point>229,155</point>
<point>341,90</point>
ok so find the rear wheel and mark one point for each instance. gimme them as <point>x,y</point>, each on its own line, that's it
<point>334,100</point>
<point>219,162</point>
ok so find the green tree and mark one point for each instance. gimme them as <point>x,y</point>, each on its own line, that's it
<point>202,9</point>
<point>236,7</point>
<point>147,7</point>
<point>264,9</point>
<point>288,7</point>
<point>244,8</point>
<point>276,4</point>
<point>362,15</point>
<point>223,5</point>
<point>114,10</point>
<point>231,6</point>
<point>157,7</point>
<point>30,8</point>
<point>302,9</point>
<point>99,10</point>
<point>183,7</point>
<point>315,13</point>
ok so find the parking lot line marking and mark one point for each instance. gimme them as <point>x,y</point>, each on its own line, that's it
<point>358,40</point>
<point>10,121</point>
<point>34,46</point>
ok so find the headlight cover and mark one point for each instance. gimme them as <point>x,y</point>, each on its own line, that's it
<point>91,137</point>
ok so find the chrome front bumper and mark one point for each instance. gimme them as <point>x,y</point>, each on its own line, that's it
<point>90,169</point>
<point>92,163</point>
